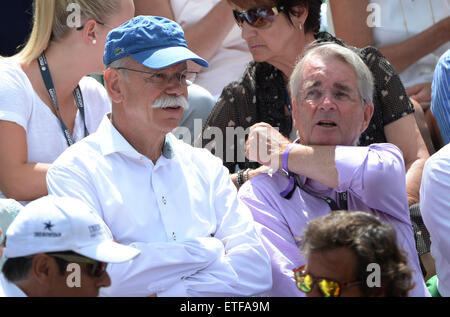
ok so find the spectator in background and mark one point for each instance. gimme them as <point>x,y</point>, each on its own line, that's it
<point>411,34</point>
<point>435,208</point>
<point>172,201</point>
<point>440,97</point>
<point>49,234</point>
<point>212,34</point>
<point>9,208</point>
<point>277,32</point>
<point>345,251</point>
<point>40,118</point>
<point>324,170</point>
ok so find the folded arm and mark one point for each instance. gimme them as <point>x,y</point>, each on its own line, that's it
<point>161,265</point>
<point>244,268</point>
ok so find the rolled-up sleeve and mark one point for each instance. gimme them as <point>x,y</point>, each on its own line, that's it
<point>376,175</point>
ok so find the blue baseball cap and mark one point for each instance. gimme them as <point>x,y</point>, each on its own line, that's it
<point>155,42</point>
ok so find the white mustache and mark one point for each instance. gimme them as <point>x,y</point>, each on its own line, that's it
<point>171,101</point>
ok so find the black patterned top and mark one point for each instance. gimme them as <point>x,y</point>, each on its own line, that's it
<point>261,96</point>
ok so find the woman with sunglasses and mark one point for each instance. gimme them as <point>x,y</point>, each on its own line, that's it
<point>46,102</point>
<point>277,32</point>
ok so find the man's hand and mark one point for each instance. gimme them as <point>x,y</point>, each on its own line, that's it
<point>266,145</point>
<point>421,93</point>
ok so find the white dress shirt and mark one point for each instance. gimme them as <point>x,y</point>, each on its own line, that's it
<point>435,210</point>
<point>196,238</point>
<point>8,289</point>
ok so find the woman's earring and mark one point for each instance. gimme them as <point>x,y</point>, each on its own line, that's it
<point>94,41</point>
<point>300,26</point>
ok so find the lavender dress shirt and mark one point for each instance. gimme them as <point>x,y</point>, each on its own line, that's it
<point>374,178</point>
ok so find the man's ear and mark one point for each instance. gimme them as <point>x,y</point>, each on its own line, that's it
<point>368,112</point>
<point>113,81</point>
<point>294,110</point>
<point>42,267</point>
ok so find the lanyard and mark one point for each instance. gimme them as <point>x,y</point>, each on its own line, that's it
<point>46,76</point>
<point>333,205</point>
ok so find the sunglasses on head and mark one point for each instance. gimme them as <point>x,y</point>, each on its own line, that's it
<point>329,288</point>
<point>257,17</point>
<point>97,268</point>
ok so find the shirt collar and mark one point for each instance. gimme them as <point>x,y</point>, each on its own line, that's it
<point>168,147</point>
<point>112,141</point>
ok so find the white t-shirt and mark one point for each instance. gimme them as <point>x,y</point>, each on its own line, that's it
<point>419,16</point>
<point>229,63</point>
<point>19,103</point>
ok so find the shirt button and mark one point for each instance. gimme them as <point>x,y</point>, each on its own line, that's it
<point>164,201</point>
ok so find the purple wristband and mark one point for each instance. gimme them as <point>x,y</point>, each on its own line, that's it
<point>285,157</point>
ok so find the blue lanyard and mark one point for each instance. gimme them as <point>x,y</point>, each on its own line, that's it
<point>46,76</point>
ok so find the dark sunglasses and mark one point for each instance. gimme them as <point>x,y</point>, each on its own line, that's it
<point>97,268</point>
<point>257,17</point>
<point>329,288</point>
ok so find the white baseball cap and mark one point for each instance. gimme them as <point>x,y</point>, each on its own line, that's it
<point>57,224</point>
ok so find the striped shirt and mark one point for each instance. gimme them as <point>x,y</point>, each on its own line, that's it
<point>440,96</point>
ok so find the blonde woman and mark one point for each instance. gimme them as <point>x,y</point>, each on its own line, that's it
<point>36,128</point>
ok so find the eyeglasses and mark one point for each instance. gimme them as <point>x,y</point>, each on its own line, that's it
<point>185,78</point>
<point>257,17</point>
<point>101,23</point>
<point>339,96</point>
<point>329,288</point>
<point>97,267</point>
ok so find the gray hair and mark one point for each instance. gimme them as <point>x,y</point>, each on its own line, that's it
<point>333,50</point>
<point>122,62</point>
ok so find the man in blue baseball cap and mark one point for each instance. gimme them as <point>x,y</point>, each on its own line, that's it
<point>174,202</point>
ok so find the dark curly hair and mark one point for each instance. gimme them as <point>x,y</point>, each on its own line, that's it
<point>371,240</point>
<point>312,23</point>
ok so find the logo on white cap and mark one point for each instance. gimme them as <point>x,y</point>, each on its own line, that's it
<point>47,226</point>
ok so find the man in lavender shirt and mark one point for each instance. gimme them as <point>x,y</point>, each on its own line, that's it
<point>331,90</point>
